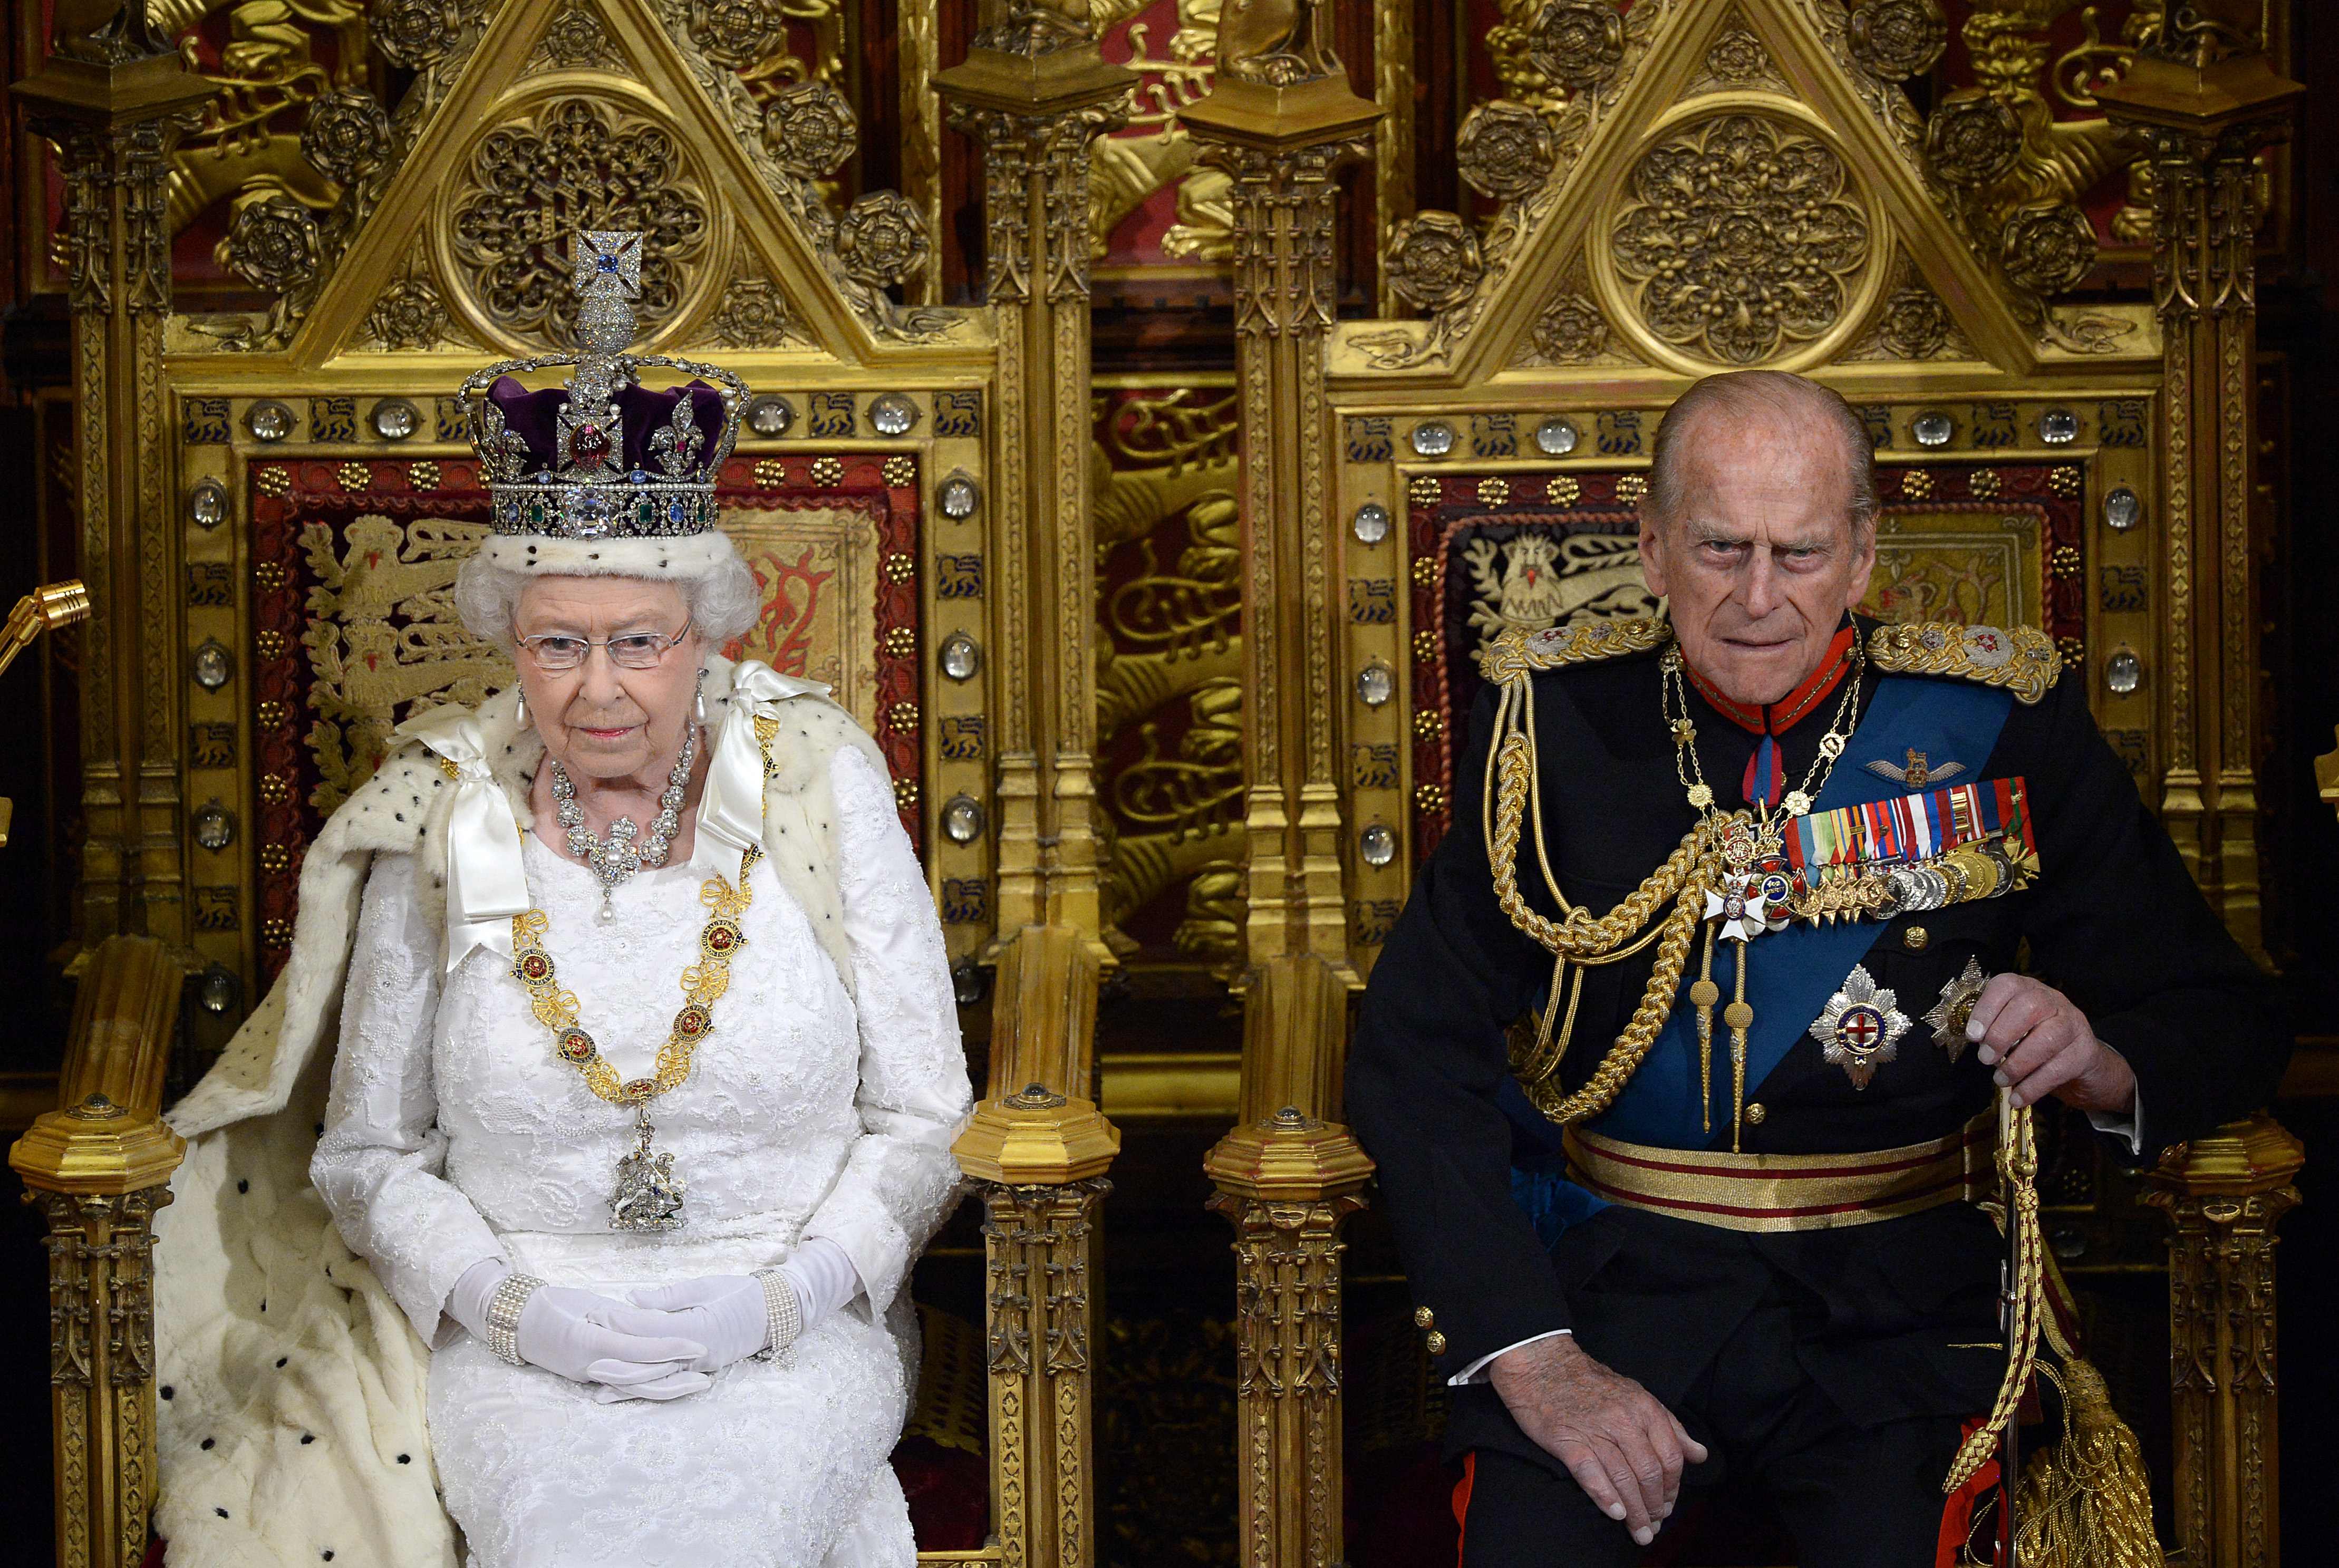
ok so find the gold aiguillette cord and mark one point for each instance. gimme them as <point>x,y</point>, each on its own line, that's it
<point>1740,1017</point>
<point>1703,995</point>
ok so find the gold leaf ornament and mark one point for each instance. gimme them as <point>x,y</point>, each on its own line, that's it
<point>2047,247</point>
<point>810,129</point>
<point>1741,238</point>
<point>1432,261</point>
<point>413,34</point>
<point>1578,44</point>
<point>882,239</point>
<point>736,33</point>
<point>1737,57</point>
<point>754,314</point>
<point>1504,150</point>
<point>1915,324</point>
<point>408,314</point>
<point>1972,138</point>
<point>271,241</point>
<point>576,154</point>
<point>346,134</point>
<point>1897,39</point>
<point>1571,329</point>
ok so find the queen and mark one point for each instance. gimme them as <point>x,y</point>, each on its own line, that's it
<point>647,1063</point>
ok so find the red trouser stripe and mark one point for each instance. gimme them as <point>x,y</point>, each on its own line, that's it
<point>1462,1503</point>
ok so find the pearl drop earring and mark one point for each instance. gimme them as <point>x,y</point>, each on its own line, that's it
<point>698,698</point>
<point>519,706</point>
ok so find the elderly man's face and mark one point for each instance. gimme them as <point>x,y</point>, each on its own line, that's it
<point>1763,559</point>
<point>601,720</point>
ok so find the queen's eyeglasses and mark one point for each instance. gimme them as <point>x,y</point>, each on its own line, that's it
<point>556,652</point>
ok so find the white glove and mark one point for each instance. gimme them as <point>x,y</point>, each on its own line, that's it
<point>634,1351</point>
<point>726,1311</point>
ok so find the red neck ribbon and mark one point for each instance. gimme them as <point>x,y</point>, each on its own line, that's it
<point>1765,783</point>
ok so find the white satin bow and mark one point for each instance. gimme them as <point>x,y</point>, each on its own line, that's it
<point>731,808</point>
<point>486,882</point>
<point>486,879</point>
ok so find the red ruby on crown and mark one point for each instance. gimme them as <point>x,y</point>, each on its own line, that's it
<point>589,446</point>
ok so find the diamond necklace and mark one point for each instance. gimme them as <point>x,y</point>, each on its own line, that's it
<point>617,857</point>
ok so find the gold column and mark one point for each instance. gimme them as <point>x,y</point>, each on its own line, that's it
<point>1280,121</point>
<point>2224,1196</point>
<point>1039,1154</point>
<point>1288,1179</point>
<point>114,97</point>
<point>99,1170</point>
<point>1035,91</point>
<point>2203,98</point>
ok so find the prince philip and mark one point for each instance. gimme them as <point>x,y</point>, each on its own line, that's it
<point>1680,1067</point>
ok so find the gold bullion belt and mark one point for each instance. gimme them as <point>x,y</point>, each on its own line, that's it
<point>1775,1192</point>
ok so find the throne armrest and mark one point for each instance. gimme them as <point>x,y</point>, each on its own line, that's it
<point>107,1137</point>
<point>2224,1195</point>
<point>100,1167</point>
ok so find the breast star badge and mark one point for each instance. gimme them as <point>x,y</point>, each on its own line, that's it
<point>1948,1015</point>
<point>1860,1028</point>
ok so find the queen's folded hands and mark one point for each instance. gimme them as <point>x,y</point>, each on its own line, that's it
<point>587,1338</point>
<point>731,1314</point>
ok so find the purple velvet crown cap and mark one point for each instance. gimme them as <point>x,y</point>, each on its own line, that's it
<point>534,416</point>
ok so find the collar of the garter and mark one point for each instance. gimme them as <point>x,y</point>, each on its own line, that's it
<point>1765,781</point>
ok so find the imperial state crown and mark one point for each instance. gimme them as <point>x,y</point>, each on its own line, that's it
<point>603,457</point>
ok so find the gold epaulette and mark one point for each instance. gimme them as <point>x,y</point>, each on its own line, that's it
<point>2022,659</point>
<point>1520,652</point>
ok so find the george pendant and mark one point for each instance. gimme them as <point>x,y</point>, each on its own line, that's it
<point>649,1194</point>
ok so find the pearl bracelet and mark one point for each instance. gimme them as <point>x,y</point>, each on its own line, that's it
<point>504,1308</point>
<point>782,1317</point>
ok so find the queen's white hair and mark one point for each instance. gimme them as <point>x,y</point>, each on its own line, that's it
<point>722,594</point>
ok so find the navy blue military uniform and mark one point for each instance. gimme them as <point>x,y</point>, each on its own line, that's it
<point>1834,1366</point>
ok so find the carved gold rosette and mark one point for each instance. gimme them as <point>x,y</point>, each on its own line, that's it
<point>1741,239</point>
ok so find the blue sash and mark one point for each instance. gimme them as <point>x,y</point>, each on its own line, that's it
<point>1793,971</point>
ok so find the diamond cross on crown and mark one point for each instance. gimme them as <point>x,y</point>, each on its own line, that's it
<point>607,253</point>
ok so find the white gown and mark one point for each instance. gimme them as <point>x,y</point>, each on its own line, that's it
<point>455,1134</point>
